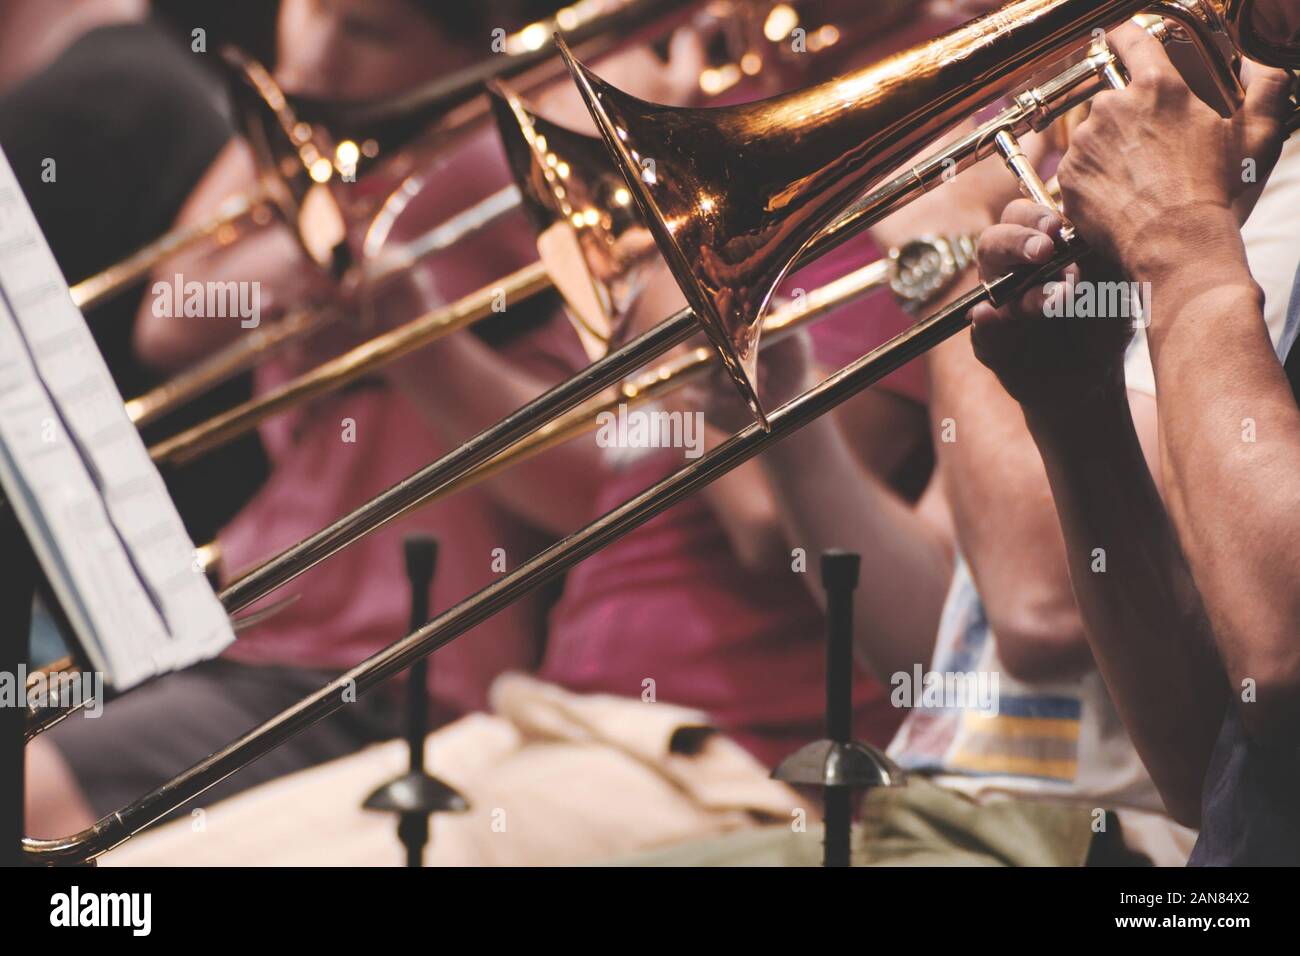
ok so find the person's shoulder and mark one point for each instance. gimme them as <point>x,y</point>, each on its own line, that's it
<point>136,71</point>
<point>129,89</point>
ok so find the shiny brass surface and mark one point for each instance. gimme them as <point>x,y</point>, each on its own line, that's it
<point>1265,30</point>
<point>456,102</point>
<point>589,236</point>
<point>373,276</point>
<point>597,289</point>
<point>733,195</point>
<point>589,232</point>
<point>238,356</point>
<point>223,227</point>
<point>593,246</point>
<point>289,157</point>
<point>114,829</point>
<point>1050,28</point>
<point>555,560</point>
<point>671,376</point>
<point>296,157</point>
<point>350,366</point>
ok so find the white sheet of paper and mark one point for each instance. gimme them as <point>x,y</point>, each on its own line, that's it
<point>80,479</point>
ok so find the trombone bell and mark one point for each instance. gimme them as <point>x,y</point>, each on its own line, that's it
<point>683,215</point>
<point>590,235</point>
<point>734,195</point>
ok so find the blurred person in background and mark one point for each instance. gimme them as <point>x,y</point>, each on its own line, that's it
<point>110,112</point>
<point>682,662</point>
<point>326,460</point>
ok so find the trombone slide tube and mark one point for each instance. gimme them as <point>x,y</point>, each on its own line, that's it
<point>538,570</point>
<point>434,477</point>
<point>393,262</point>
<point>365,358</point>
<point>103,286</point>
<point>446,471</point>
<point>663,380</point>
<point>239,356</point>
<point>1034,110</point>
<point>250,349</point>
<point>670,376</point>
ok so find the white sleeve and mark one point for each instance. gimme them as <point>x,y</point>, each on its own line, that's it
<point>1139,376</point>
<point>1272,238</point>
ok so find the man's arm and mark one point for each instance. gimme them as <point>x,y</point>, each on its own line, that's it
<point>1231,449</point>
<point>1002,510</point>
<point>1150,636</point>
<point>993,478</point>
<point>1154,180</point>
<point>1139,606</point>
<point>824,497</point>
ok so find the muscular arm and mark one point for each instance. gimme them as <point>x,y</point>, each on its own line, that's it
<point>1141,610</point>
<point>1142,614</point>
<point>1151,180</point>
<point>993,477</point>
<point>1005,520</point>
<point>1230,444</point>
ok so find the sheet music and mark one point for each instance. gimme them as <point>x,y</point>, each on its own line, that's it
<point>79,477</point>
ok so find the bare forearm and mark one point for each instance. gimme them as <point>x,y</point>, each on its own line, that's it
<point>1140,608</point>
<point>829,501</point>
<point>1230,446</point>
<point>1004,516</point>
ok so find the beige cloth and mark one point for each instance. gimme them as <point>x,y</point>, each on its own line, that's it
<point>552,777</point>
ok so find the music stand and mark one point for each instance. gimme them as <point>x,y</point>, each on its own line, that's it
<point>839,765</point>
<point>416,795</point>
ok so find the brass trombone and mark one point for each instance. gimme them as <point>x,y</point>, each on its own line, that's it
<point>588,231</point>
<point>592,247</point>
<point>382,263</point>
<point>996,42</point>
<point>895,107</point>
<point>595,243</point>
<point>369,132</point>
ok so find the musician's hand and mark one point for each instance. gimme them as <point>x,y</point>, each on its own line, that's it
<point>785,369</point>
<point>1154,174</point>
<point>1039,350</point>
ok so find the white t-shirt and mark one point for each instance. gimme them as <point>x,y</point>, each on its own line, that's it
<point>1272,238</point>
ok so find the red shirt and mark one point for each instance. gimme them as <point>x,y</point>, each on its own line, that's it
<point>357,602</point>
<point>670,603</point>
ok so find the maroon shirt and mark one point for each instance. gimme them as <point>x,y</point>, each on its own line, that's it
<point>670,603</point>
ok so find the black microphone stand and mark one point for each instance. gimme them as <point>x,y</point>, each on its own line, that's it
<point>839,765</point>
<point>416,795</point>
